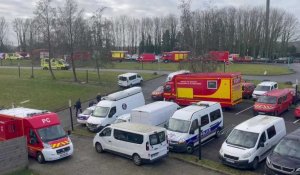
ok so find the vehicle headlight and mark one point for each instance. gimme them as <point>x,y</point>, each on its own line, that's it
<point>298,170</point>
<point>246,155</point>
<point>181,141</point>
<point>268,162</point>
<point>46,145</point>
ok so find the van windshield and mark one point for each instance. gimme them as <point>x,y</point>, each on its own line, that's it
<point>122,78</point>
<point>101,111</point>
<point>242,138</point>
<point>177,125</point>
<point>51,133</point>
<point>288,147</point>
<point>87,112</point>
<point>267,100</point>
<point>262,88</point>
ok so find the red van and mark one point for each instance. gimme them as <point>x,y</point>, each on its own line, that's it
<point>273,102</point>
<point>247,89</point>
<point>147,57</point>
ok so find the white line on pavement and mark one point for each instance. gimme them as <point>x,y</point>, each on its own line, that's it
<point>244,110</point>
<point>296,121</point>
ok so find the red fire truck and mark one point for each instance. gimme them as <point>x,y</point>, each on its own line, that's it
<point>175,56</point>
<point>185,89</point>
<point>221,56</point>
<point>46,139</point>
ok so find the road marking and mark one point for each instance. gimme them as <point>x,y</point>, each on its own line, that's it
<point>244,110</point>
<point>296,121</point>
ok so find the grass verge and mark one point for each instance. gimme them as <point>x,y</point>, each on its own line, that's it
<point>212,165</point>
<point>82,131</point>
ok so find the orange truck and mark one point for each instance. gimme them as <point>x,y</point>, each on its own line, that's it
<point>185,89</point>
<point>175,56</point>
<point>46,139</point>
<point>118,55</point>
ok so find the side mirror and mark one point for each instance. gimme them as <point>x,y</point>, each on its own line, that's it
<point>261,144</point>
<point>32,141</point>
<point>192,132</point>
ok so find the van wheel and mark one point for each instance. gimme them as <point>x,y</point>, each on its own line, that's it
<point>137,159</point>
<point>255,164</point>
<point>190,149</point>
<point>99,148</point>
<point>40,158</point>
<point>218,133</point>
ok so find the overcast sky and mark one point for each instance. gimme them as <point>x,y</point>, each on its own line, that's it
<point>11,9</point>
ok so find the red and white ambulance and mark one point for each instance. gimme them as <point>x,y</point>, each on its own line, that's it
<point>46,139</point>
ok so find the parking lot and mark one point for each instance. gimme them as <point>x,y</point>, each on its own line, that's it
<point>210,149</point>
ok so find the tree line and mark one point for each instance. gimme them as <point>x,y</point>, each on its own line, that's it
<point>65,29</point>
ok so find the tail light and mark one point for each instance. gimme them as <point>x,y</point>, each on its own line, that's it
<point>147,146</point>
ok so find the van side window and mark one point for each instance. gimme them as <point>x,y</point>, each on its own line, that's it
<point>271,131</point>
<point>106,132</point>
<point>194,125</point>
<point>204,120</point>
<point>32,136</point>
<point>211,84</point>
<point>215,115</point>
<point>112,112</point>
<point>128,137</point>
<point>138,76</point>
<point>132,77</point>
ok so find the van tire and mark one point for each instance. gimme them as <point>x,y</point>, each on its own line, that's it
<point>40,157</point>
<point>136,159</point>
<point>99,148</point>
<point>254,164</point>
<point>190,149</point>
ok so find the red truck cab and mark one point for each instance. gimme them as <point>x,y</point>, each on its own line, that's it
<point>247,89</point>
<point>46,139</point>
<point>273,102</point>
<point>147,57</point>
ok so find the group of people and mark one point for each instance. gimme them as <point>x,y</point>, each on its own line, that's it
<point>77,105</point>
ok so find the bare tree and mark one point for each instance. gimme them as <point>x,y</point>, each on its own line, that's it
<point>69,14</point>
<point>21,27</point>
<point>45,15</point>
<point>3,30</point>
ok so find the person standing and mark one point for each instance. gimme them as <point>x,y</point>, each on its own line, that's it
<point>77,106</point>
<point>98,97</point>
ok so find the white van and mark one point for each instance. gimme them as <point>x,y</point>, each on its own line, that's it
<point>123,118</point>
<point>83,117</point>
<point>250,142</point>
<point>129,79</point>
<point>141,143</point>
<point>113,105</point>
<point>155,114</point>
<point>264,87</point>
<point>172,74</point>
<point>183,128</point>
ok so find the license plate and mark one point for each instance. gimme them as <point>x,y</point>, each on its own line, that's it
<point>230,160</point>
<point>63,155</point>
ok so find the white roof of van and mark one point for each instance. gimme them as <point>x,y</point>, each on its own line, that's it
<point>186,112</point>
<point>258,123</point>
<point>154,106</point>
<point>267,83</point>
<point>127,74</point>
<point>136,127</point>
<point>122,94</point>
<point>21,112</point>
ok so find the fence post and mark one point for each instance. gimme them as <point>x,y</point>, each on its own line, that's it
<point>19,70</point>
<point>70,108</point>
<point>87,76</point>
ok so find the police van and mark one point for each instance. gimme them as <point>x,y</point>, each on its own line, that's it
<point>183,127</point>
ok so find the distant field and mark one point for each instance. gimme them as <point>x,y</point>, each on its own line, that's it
<point>45,93</point>
<point>245,69</point>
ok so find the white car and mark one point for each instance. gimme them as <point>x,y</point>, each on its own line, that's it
<point>83,117</point>
<point>264,87</point>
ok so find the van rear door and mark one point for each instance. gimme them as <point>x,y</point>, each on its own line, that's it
<point>157,144</point>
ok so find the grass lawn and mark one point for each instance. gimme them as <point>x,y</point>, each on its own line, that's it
<point>45,93</point>
<point>245,69</point>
